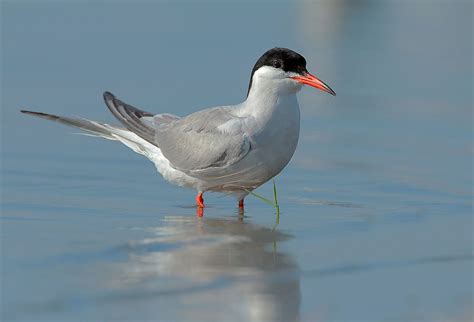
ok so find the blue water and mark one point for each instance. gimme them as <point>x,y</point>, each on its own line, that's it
<point>376,205</point>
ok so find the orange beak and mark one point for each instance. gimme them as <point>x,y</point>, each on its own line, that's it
<point>312,80</point>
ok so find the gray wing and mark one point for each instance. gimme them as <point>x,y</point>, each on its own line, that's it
<point>131,117</point>
<point>196,142</point>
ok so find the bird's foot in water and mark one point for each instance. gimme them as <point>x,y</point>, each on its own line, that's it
<point>199,211</point>
<point>200,205</point>
<point>200,200</point>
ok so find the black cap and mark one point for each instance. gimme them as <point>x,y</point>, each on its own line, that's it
<point>283,58</point>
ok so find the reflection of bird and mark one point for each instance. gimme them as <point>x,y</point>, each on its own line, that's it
<point>261,283</point>
<point>231,149</point>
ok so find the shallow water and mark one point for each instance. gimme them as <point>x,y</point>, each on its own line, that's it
<point>376,205</point>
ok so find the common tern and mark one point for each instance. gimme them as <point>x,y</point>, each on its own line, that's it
<point>231,149</point>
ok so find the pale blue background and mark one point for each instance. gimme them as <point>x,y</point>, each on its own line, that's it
<point>376,219</point>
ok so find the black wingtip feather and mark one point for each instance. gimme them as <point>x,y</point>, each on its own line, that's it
<point>108,96</point>
<point>40,114</point>
<point>130,117</point>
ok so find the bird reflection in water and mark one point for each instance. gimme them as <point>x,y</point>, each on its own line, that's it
<point>228,265</point>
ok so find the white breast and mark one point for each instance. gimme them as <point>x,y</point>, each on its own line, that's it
<point>274,139</point>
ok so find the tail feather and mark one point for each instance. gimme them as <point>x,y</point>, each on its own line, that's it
<point>130,139</point>
<point>83,124</point>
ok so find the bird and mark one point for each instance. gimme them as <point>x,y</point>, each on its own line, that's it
<point>232,149</point>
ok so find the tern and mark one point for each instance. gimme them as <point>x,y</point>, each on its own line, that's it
<point>231,149</point>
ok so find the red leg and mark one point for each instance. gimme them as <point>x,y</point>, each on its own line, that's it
<point>241,203</point>
<point>199,211</point>
<point>200,200</point>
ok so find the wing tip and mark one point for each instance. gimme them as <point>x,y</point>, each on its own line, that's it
<point>112,103</point>
<point>108,96</point>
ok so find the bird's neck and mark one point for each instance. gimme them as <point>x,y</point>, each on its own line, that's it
<point>271,117</point>
<point>263,102</point>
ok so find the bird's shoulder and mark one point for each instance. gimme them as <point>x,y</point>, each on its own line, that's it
<point>215,120</point>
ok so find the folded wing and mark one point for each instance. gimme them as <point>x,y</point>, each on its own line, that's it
<point>199,142</point>
<point>196,142</point>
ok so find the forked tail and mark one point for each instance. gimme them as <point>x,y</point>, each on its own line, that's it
<point>110,132</point>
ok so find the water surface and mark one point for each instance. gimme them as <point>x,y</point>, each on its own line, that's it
<point>376,220</point>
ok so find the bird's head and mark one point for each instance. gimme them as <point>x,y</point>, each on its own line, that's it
<point>283,70</point>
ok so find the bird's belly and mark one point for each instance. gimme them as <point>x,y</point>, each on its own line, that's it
<point>270,153</point>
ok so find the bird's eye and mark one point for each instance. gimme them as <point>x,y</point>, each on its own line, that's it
<point>276,64</point>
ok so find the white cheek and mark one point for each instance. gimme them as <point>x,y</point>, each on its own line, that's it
<point>269,73</point>
<point>290,86</point>
<point>270,79</point>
